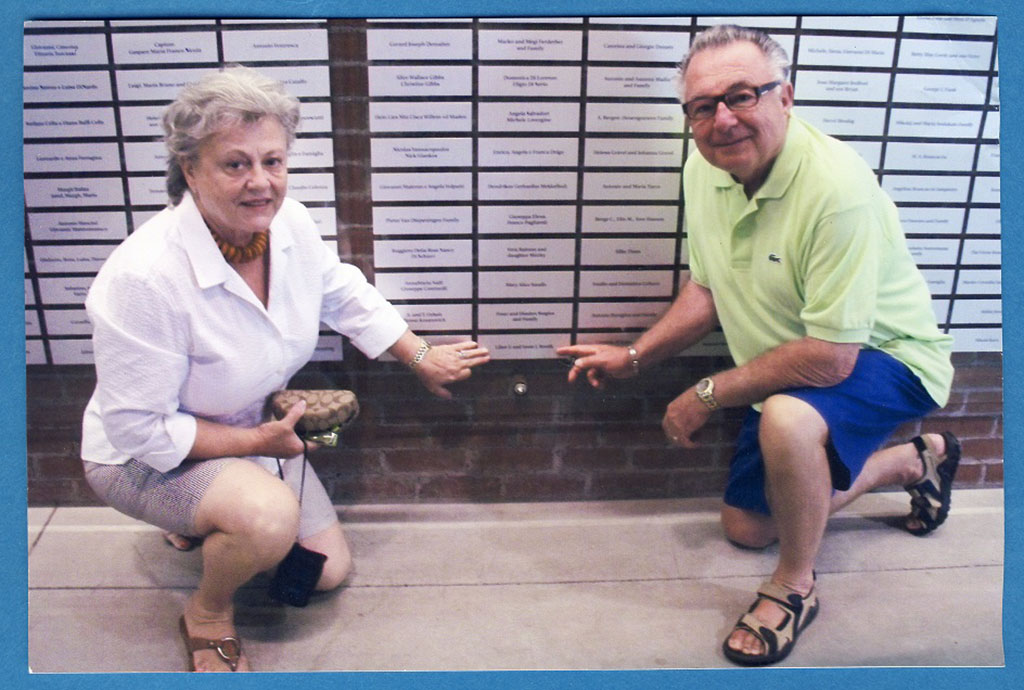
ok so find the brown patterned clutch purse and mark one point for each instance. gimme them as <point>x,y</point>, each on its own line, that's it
<point>327,412</point>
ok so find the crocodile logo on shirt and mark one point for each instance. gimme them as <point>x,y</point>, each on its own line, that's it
<point>775,258</point>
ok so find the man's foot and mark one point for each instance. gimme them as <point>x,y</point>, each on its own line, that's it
<point>931,494</point>
<point>211,643</point>
<point>768,631</point>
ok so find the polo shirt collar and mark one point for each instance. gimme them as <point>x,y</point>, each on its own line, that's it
<point>783,171</point>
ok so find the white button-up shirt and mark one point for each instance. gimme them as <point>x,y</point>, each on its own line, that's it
<point>177,333</point>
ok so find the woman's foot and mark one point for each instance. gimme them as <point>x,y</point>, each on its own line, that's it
<point>181,542</point>
<point>211,641</point>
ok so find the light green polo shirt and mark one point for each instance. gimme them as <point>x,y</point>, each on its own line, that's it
<point>818,251</point>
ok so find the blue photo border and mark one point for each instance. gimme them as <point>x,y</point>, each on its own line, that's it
<point>13,547</point>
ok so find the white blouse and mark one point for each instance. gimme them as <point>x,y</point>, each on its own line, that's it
<point>177,333</point>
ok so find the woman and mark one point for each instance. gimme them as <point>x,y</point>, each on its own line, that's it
<point>201,314</point>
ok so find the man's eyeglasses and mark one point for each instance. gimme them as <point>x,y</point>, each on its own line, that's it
<point>742,98</point>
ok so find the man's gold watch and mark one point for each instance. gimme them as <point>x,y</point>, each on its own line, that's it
<point>706,393</point>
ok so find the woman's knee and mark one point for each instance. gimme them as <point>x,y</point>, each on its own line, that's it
<point>336,571</point>
<point>748,529</point>
<point>247,501</point>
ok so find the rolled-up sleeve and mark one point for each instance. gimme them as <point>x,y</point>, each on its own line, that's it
<point>356,309</point>
<point>141,362</point>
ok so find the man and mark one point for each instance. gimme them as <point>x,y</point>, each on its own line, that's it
<point>797,253</point>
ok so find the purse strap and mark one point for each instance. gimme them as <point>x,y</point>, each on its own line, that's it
<point>302,477</point>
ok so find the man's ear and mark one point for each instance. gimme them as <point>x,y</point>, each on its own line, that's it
<point>786,93</point>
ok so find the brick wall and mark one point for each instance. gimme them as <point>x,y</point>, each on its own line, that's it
<point>555,443</point>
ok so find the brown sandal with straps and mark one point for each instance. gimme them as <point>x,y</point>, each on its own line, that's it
<point>776,642</point>
<point>931,496</point>
<point>229,649</point>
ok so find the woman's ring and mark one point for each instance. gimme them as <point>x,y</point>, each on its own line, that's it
<point>462,354</point>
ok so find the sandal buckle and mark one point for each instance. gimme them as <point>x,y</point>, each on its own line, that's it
<point>228,648</point>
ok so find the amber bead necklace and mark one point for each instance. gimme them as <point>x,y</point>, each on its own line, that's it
<point>241,255</point>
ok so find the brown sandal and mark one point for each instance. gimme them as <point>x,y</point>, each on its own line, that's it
<point>931,496</point>
<point>228,648</point>
<point>776,642</point>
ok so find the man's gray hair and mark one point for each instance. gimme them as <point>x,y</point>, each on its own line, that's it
<point>235,95</point>
<point>726,34</point>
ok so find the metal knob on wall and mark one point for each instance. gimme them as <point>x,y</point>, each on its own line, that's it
<point>519,387</point>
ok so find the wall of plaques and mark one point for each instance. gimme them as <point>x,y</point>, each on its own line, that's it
<point>94,159</point>
<point>525,174</point>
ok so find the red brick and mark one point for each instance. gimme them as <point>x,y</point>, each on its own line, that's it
<point>549,383</point>
<point>371,436</point>
<point>474,436</point>
<point>560,441</point>
<point>425,410</point>
<point>994,397</point>
<point>461,488</point>
<point>55,445</point>
<point>544,487</point>
<point>963,359</point>
<point>490,435</point>
<point>671,458</point>
<point>425,460</point>
<point>589,459</point>
<point>600,407</point>
<point>956,405</point>
<point>350,115</point>
<point>969,476</point>
<point>983,408</point>
<point>372,489</point>
<point>511,460</point>
<point>982,449</point>
<point>60,492</point>
<point>559,435</point>
<point>333,462</point>
<point>523,409</point>
<point>45,384</point>
<point>639,434</point>
<point>963,427</point>
<point>994,474</point>
<point>56,465</point>
<point>628,485</point>
<point>697,483</point>
<point>973,378</point>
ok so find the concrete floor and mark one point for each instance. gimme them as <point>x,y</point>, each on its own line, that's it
<point>603,585</point>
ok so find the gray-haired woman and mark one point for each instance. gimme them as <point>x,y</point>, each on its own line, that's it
<point>198,316</point>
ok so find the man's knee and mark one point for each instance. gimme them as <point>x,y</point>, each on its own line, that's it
<point>748,529</point>
<point>790,423</point>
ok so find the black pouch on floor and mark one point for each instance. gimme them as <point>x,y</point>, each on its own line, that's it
<point>298,573</point>
<point>296,576</point>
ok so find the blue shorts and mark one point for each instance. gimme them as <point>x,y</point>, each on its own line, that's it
<point>861,413</point>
